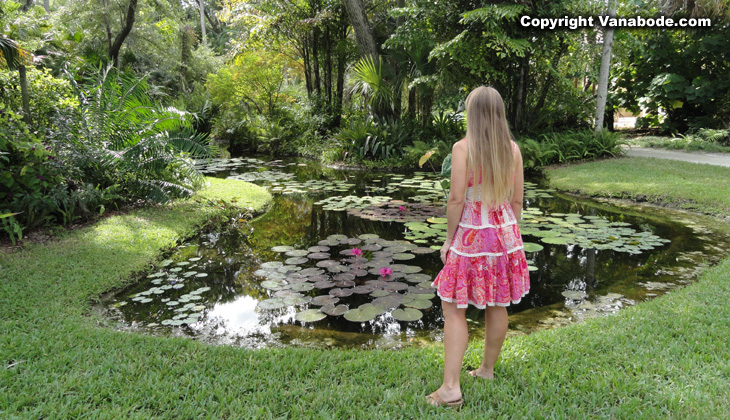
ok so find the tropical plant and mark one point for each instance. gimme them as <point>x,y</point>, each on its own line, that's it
<point>128,140</point>
<point>370,83</point>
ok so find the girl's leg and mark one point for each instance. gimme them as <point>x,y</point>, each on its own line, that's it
<point>496,330</point>
<point>456,337</point>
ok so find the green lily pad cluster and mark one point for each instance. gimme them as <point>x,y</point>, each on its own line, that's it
<point>585,231</point>
<point>432,231</point>
<point>554,229</point>
<point>211,166</point>
<point>266,176</point>
<point>167,284</point>
<point>531,191</point>
<point>342,203</point>
<point>341,270</point>
<point>399,211</point>
<point>426,185</point>
<point>311,186</point>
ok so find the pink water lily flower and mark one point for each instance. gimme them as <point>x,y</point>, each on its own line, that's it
<point>385,271</point>
<point>356,252</point>
<point>402,208</point>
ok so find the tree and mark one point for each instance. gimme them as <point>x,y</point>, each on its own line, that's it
<point>605,66</point>
<point>127,22</point>
<point>202,20</point>
<point>15,58</point>
<point>363,30</point>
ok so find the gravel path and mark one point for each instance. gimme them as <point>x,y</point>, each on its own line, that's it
<point>719,159</point>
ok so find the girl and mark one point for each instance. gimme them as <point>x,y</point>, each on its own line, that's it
<point>484,260</point>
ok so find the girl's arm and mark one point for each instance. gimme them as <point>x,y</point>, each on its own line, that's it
<point>456,194</point>
<point>518,185</point>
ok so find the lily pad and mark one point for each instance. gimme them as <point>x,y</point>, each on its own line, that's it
<point>555,240</point>
<point>363,313</point>
<point>273,303</point>
<point>282,248</point>
<point>532,247</point>
<point>340,293</point>
<point>324,300</point>
<point>575,294</point>
<point>310,315</point>
<point>407,314</point>
<point>334,310</point>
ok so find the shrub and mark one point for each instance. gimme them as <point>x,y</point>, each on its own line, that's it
<point>125,139</point>
<point>48,96</point>
<point>28,176</point>
<point>568,146</point>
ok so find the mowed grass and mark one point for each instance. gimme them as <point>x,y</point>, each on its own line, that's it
<point>667,358</point>
<point>689,186</point>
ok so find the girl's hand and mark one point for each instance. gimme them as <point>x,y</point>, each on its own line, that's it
<point>445,250</point>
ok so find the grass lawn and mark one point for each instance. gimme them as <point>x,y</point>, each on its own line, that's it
<point>690,186</point>
<point>667,358</point>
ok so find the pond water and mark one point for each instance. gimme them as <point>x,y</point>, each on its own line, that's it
<point>345,258</point>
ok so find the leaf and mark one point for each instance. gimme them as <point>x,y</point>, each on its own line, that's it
<point>425,158</point>
<point>446,167</point>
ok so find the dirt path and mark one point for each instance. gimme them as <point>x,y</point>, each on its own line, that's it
<point>719,159</point>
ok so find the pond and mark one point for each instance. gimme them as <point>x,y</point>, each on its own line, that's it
<point>346,258</point>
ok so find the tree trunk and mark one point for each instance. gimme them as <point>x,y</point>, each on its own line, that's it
<point>24,94</point>
<point>47,5</point>
<point>604,73</point>
<point>341,65</point>
<point>520,95</point>
<point>328,66</point>
<point>307,66</point>
<point>341,62</point>
<point>28,4</point>
<point>126,29</point>
<point>202,20</point>
<point>401,19</point>
<point>363,31</point>
<point>315,59</point>
<point>213,21</point>
<point>185,55</point>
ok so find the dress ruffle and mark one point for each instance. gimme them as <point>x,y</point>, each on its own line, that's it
<point>486,264</point>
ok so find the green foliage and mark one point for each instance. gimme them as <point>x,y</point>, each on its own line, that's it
<point>254,96</point>
<point>680,74</point>
<point>127,140</point>
<point>49,96</point>
<point>706,139</point>
<point>568,146</point>
<point>374,86</point>
<point>375,138</point>
<point>27,176</point>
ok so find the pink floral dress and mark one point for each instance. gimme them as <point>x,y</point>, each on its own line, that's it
<point>486,263</point>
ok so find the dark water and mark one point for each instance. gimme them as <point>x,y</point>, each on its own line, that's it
<point>224,291</point>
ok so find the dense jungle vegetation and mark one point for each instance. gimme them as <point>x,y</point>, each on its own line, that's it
<point>105,104</point>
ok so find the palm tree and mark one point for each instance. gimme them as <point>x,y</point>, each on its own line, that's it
<point>15,58</point>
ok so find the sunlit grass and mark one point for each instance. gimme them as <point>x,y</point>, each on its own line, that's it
<point>691,186</point>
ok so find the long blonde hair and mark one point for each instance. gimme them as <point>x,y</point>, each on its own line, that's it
<point>489,143</point>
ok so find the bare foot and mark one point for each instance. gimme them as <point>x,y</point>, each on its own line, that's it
<point>481,373</point>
